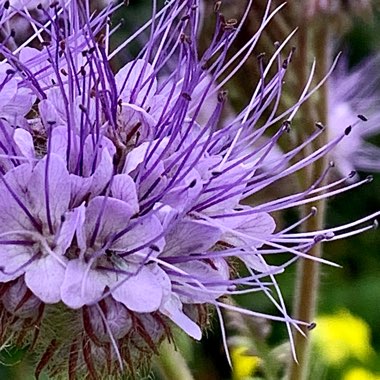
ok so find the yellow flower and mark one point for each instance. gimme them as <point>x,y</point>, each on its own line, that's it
<point>342,336</point>
<point>360,374</point>
<point>243,364</point>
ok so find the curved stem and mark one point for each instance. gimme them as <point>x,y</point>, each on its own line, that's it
<point>170,364</point>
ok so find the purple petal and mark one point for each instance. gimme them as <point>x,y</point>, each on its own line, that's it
<point>20,104</point>
<point>8,90</point>
<point>141,292</point>
<point>48,195</point>
<point>24,141</point>
<point>106,217</point>
<point>191,236</point>
<point>129,75</point>
<point>44,278</point>
<point>124,188</point>
<point>73,221</point>
<point>82,286</point>
<point>214,277</point>
<point>12,258</point>
<point>148,232</point>
<point>244,229</point>
<point>173,310</point>
<point>49,114</point>
<point>12,216</point>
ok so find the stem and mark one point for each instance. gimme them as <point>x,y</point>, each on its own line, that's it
<point>170,364</point>
<point>308,271</point>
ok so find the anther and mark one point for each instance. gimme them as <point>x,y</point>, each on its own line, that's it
<point>260,56</point>
<point>352,174</point>
<point>192,183</point>
<point>286,125</point>
<point>369,178</point>
<point>319,238</point>
<point>314,211</point>
<point>7,4</point>
<point>319,125</point>
<point>348,130</point>
<point>154,247</point>
<point>186,96</point>
<point>375,224</point>
<point>362,118</point>
<point>311,326</point>
<point>222,96</point>
<point>217,6</point>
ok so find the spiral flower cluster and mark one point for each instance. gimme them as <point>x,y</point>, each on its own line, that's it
<point>121,210</point>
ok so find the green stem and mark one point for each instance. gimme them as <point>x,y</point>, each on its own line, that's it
<point>170,364</point>
<point>308,271</point>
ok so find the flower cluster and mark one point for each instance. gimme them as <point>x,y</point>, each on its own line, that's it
<point>121,209</point>
<point>351,93</point>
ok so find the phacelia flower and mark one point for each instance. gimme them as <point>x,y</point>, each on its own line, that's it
<point>121,210</point>
<point>350,94</point>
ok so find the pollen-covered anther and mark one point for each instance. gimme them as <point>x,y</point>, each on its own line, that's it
<point>62,44</point>
<point>286,125</point>
<point>319,125</point>
<point>184,38</point>
<point>285,63</point>
<point>222,96</point>
<point>217,5</point>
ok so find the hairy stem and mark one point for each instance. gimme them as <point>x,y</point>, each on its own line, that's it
<point>313,39</point>
<point>170,364</point>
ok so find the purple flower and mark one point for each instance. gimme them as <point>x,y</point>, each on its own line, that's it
<point>122,198</point>
<point>355,92</point>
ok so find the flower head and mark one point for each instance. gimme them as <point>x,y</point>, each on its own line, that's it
<point>350,94</point>
<point>121,213</point>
